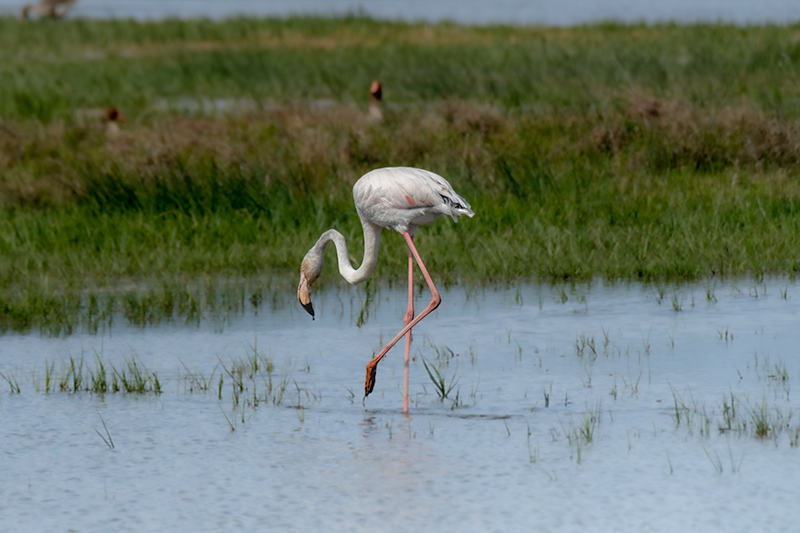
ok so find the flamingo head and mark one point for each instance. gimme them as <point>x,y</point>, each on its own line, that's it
<point>309,272</point>
<point>375,90</point>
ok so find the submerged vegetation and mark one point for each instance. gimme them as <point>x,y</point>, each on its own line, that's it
<point>75,376</point>
<point>624,152</point>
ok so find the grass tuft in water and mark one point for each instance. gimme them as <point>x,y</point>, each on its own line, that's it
<point>716,462</point>
<point>11,379</point>
<point>438,377</point>
<point>97,378</point>
<point>761,420</point>
<point>134,377</point>
<point>109,441</point>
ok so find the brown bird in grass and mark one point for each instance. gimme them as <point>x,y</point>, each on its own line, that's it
<point>375,94</point>
<point>111,117</point>
<point>52,9</point>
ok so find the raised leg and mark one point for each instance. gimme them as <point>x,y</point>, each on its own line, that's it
<point>406,321</point>
<point>372,366</point>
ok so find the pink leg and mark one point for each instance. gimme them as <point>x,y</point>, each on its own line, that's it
<point>406,321</point>
<point>372,366</point>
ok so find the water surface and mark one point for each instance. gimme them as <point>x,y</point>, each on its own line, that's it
<point>648,371</point>
<point>517,12</point>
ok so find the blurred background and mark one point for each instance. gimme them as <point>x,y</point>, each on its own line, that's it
<point>541,12</point>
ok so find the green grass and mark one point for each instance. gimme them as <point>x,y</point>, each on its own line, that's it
<point>625,152</point>
<point>255,379</point>
<point>75,376</point>
<point>57,67</point>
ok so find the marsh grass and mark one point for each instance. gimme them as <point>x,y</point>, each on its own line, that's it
<point>231,423</point>
<point>533,451</point>
<point>108,441</point>
<point>73,379</point>
<point>677,302</point>
<point>134,377</point>
<point>254,380</point>
<point>49,381</point>
<point>11,378</point>
<point>98,378</point>
<point>737,416</point>
<point>716,462</point>
<point>584,342</point>
<point>195,380</point>
<point>438,378</point>
<point>730,409</point>
<point>626,152</point>
<point>761,420</point>
<point>581,434</point>
<point>148,304</point>
<point>75,376</point>
<point>370,291</point>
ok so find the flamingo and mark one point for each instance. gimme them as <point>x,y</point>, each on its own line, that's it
<point>375,94</point>
<point>53,9</point>
<point>401,199</point>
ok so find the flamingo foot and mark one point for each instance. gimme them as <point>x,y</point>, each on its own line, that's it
<point>369,383</point>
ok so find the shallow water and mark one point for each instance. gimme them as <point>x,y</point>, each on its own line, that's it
<point>645,371</point>
<point>548,13</point>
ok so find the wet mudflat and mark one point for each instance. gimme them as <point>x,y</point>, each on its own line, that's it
<point>626,406</point>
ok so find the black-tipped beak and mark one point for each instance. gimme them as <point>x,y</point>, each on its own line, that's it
<point>304,294</point>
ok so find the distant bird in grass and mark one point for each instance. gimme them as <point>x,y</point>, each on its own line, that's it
<point>375,95</point>
<point>401,199</point>
<point>53,9</point>
<point>111,117</point>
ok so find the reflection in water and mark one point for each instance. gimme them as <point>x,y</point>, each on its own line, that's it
<point>369,425</point>
<point>621,407</point>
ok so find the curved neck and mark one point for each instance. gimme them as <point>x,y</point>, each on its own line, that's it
<point>372,240</point>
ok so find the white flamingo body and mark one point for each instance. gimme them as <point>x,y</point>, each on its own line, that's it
<point>402,199</point>
<point>405,198</point>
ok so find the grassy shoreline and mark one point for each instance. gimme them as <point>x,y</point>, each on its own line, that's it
<point>622,152</point>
